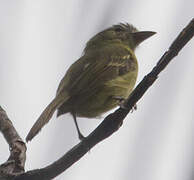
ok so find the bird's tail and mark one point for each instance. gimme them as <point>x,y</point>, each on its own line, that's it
<point>46,115</point>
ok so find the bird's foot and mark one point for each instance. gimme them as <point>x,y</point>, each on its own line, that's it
<point>81,137</point>
<point>134,108</point>
<point>120,100</point>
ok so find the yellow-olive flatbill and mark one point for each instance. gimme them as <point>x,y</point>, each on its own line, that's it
<point>100,79</point>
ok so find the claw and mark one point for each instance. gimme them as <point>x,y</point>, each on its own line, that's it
<point>134,108</point>
<point>81,137</point>
<point>121,101</point>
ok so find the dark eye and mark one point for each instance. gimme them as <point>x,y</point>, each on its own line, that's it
<point>118,29</point>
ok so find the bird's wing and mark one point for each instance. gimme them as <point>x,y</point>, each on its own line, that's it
<point>100,71</point>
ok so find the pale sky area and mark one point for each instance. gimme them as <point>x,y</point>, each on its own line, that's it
<point>40,39</point>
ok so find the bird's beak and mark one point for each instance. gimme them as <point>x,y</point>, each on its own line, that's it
<point>142,35</point>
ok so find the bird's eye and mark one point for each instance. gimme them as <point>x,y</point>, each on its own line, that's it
<point>118,29</point>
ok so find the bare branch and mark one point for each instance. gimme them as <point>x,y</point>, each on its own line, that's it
<point>16,161</point>
<point>114,120</point>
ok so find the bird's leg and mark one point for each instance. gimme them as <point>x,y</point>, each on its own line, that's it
<point>81,137</point>
<point>121,101</point>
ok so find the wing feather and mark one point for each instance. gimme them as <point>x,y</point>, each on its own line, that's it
<point>97,74</point>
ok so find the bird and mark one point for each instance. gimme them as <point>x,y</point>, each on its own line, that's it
<point>100,79</point>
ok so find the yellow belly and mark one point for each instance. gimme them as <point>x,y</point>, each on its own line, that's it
<point>104,100</point>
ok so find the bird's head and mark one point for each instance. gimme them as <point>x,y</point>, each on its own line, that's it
<point>120,33</point>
